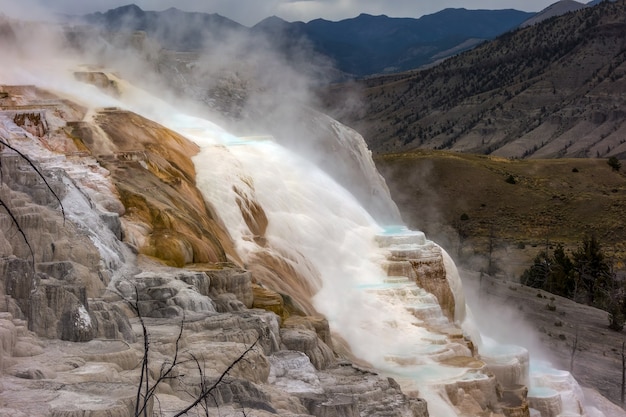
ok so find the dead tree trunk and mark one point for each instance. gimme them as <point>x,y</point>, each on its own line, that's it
<point>574,347</point>
<point>623,373</point>
<point>7,209</point>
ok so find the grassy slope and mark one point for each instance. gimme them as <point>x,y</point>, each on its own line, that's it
<point>548,202</point>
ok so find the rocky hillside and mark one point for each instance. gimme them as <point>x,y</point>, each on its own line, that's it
<point>557,9</point>
<point>554,89</point>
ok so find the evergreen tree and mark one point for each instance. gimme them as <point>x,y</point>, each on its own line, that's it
<point>593,272</point>
<point>587,277</point>
<point>562,274</point>
<point>614,163</point>
<point>537,276</point>
<point>554,274</point>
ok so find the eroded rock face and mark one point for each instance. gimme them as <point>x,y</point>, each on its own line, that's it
<point>305,340</point>
<point>428,271</point>
<point>69,324</point>
<point>110,321</point>
<point>269,300</point>
<point>52,294</point>
<point>310,335</point>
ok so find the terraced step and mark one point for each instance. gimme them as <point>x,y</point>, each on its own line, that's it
<point>400,235</point>
<point>397,279</point>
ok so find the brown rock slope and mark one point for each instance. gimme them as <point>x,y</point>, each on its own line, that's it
<point>174,224</point>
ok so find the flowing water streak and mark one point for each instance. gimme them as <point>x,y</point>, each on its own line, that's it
<point>315,222</point>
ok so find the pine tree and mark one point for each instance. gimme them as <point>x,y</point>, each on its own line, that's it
<point>614,163</point>
<point>537,276</point>
<point>593,271</point>
<point>562,276</point>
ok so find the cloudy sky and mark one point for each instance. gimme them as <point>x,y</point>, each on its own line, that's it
<point>250,12</point>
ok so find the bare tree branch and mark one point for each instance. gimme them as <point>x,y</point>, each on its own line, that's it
<point>144,360</point>
<point>208,392</point>
<point>204,404</point>
<point>27,159</point>
<point>19,229</point>
<point>3,142</point>
<point>145,391</point>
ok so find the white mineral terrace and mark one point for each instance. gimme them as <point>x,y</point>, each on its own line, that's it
<point>362,272</point>
<point>386,319</point>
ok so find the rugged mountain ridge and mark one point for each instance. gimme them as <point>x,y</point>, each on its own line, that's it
<point>359,46</point>
<point>549,90</point>
<point>370,44</point>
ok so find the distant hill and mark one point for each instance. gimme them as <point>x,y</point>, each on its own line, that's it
<point>553,89</point>
<point>557,9</point>
<point>368,44</point>
<point>172,28</point>
<point>360,46</point>
<point>594,2</point>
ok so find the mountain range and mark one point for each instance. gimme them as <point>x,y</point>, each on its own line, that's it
<point>552,89</point>
<point>359,46</point>
<point>375,44</point>
<point>172,28</point>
